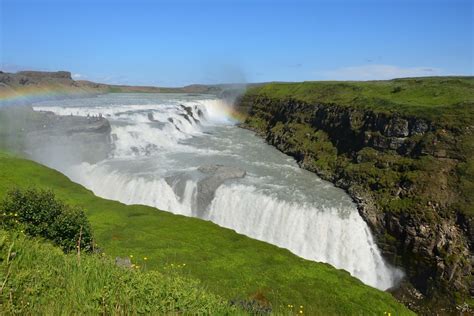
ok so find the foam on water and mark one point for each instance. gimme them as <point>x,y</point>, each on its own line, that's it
<point>159,144</point>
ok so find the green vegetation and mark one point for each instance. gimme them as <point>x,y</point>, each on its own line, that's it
<point>39,279</point>
<point>234,266</point>
<point>315,144</point>
<point>39,213</point>
<point>446,100</point>
<point>380,173</point>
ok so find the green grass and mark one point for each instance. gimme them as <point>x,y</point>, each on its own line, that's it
<point>445,100</point>
<point>41,280</point>
<point>226,263</point>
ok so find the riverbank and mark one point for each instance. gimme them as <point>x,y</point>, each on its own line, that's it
<point>403,150</point>
<point>235,267</point>
<point>239,269</point>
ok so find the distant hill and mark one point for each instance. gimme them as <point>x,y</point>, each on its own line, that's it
<point>23,82</point>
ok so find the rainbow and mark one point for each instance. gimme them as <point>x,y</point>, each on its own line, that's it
<point>221,109</point>
<point>236,115</point>
<point>27,95</point>
<point>35,93</point>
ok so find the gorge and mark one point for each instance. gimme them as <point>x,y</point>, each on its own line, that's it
<point>403,158</point>
<point>184,154</point>
<point>408,166</point>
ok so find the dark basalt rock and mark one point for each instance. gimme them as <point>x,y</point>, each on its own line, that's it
<point>189,114</point>
<point>418,126</point>
<point>396,127</point>
<point>151,118</point>
<point>186,117</point>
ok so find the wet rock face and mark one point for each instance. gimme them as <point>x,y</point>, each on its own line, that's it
<point>189,114</point>
<point>209,178</point>
<point>151,118</point>
<point>215,176</point>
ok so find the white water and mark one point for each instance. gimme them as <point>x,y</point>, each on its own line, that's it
<point>155,161</point>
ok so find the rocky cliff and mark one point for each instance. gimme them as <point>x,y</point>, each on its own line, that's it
<point>23,78</point>
<point>410,175</point>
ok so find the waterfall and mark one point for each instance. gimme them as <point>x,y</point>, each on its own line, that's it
<point>184,155</point>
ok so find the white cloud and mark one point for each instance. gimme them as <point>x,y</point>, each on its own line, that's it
<point>77,76</point>
<point>378,72</point>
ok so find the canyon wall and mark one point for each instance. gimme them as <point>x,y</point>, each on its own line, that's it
<point>407,174</point>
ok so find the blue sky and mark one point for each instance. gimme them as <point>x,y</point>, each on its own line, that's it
<point>172,43</point>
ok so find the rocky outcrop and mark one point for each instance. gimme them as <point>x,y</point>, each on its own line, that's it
<point>24,78</point>
<point>401,171</point>
<point>215,176</point>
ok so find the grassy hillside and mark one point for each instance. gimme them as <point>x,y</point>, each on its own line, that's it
<point>446,100</point>
<point>38,278</point>
<point>232,265</point>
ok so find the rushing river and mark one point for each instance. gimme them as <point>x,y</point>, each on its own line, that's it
<point>183,153</point>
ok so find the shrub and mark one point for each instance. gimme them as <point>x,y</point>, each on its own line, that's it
<point>397,89</point>
<point>40,213</point>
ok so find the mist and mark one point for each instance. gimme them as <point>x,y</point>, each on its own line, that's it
<point>56,141</point>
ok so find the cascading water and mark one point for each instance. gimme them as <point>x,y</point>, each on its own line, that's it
<point>183,153</point>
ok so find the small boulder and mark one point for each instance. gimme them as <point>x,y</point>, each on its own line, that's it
<point>123,262</point>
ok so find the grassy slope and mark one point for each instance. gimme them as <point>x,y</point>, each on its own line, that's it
<point>227,263</point>
<point>446,100</point>
<point>41,279</point>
